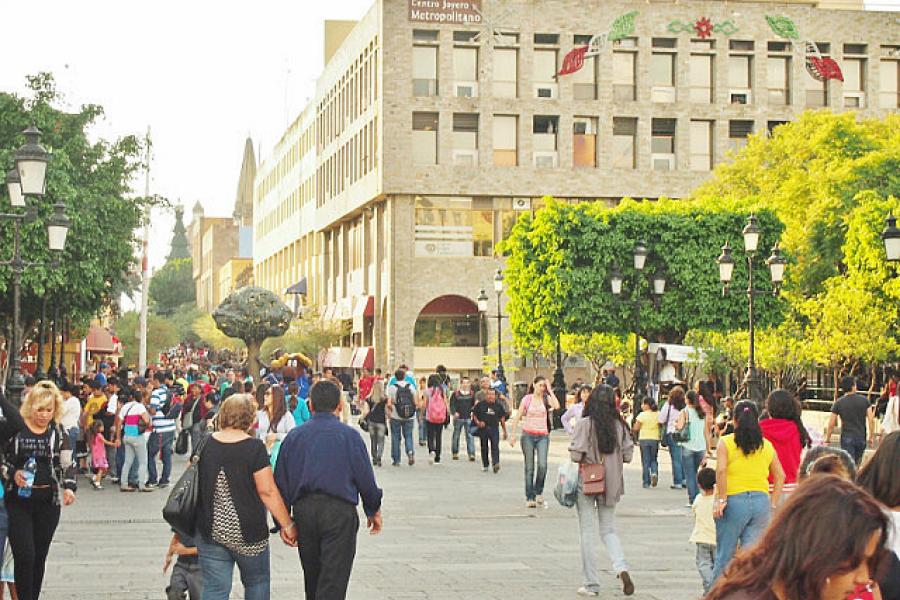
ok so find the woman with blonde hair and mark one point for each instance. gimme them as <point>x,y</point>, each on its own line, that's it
<point>236,488</point>
<point>374,413</point>
<point>44,478</point>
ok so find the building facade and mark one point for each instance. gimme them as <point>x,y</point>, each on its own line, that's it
<point>433,129</point>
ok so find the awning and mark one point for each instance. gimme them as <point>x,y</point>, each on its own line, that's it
<point>99,340</point>
<point>365,307</point>
<point>328,315</point>
<point>297,288</point>
<point>674,352</point>
<point>363,358</point>
<point>344,309</point>
<point>336,357</point>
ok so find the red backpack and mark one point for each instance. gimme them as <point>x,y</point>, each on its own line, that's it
<point>436,411</point>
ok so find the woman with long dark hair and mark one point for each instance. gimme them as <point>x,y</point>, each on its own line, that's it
<point>535,412</point>
<point>601,437</point>
<point>881,477</point>
<point>804,555</point>
<point>668,418</point>
<point>274,421</point>
<point>693,451</point>
<point>745,459</point>
<point>787,433</point>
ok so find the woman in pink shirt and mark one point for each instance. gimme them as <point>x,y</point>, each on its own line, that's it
<point>534,413</point>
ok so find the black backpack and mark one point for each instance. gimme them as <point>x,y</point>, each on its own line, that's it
<point>404,403</point>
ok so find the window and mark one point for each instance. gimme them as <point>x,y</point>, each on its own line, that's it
<point>425,128</point>
<point>433,331</point>
<point>465,138</point>
<point>584,142</point>
<point>662,70</point>
<point>624,66</point>
<point>817,91</point>
<point>506,72</point>
<point>854,69</point>
<point>662,144</point>
<point>545,73</point>
<point>505,132</point>
<point>467,37</point>
<point>454,226</point>
<point>465,72</point>
<point>425,35</point>
<point>740,71</point>
<point>584,80</point>
<point>624,143</point>
<point>546,39</point>
<point>771,126</point>
<point>701,77</point>
<point>544,130</point>
<point>424,68</point>
<point>889,74</point>
<point>778,78</point>
<point>701,145</point>
<point>738,132</point>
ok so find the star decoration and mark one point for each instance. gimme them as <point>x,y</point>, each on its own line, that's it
<point>703,27</point>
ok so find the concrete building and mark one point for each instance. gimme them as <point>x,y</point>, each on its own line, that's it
<point>436,125</point>
<point>219,243</point>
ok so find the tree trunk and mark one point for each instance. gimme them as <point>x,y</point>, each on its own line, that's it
<point>253,364</point>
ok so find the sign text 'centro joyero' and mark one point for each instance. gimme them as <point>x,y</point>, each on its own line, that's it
<point>459,12</point>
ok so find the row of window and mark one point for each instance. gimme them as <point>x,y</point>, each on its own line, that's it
<point>357,157</point>
<point>290,159</point>
<point>350,96</point>
<point>585,144</point>
<point>663,70</point>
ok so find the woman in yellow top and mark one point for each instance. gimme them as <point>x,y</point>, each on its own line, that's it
<point>743,506</point>
<point>646,428</point>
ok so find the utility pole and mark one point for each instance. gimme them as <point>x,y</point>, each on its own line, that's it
<point>145,267</point>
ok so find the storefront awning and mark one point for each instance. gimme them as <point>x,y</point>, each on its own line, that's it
<point>344,309</point>
<point>298,288</point>
<point>363,358</point>
<point>365,307</point>
<point>328,315</point>
<point>673,352</point>
<point>336,357</point>
<point>99,340</point>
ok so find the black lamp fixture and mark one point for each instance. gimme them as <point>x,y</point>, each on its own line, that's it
<point>891,238</point>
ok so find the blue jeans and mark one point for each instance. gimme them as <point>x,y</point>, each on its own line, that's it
<point>691,461</point>
<point>120,465</point>
<point>166,443</point>
<point>74,433</point>
<point>677,465</point>
<point>4,527</point>
<point>423,432</point>
<point>406,428</point>
<point>534,479</point>
<point>746,517</point>
<point>462,425</point>
<point>854,446</point>
<point>649,462</point>
<point>217,565</point>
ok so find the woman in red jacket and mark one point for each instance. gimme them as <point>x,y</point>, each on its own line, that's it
<point>786,432</point>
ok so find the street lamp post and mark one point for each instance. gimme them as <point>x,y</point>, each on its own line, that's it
<point>498,287</point>
<point>891,238</point>
<point>658,282</point>
<point>776,264</point>
<point>27,179</point>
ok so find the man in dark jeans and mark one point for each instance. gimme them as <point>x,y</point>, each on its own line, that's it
<point>323,470</point>
<point>853,410</point>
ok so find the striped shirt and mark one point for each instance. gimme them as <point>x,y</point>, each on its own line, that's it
<point>161,424</point>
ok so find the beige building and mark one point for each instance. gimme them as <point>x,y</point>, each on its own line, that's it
<point>222,247</point>
<point>432,132</point>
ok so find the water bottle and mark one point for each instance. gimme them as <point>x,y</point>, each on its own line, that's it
<point>29,470</point>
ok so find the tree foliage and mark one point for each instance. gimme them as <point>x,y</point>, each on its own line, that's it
<point>205,328</point>
<point>172,286</point>
<point>600,348</point>
<point>307,335</point>
<point>92,179</point>
<point>559,265</point>
<point>162,334</point>
<point>252,314</point>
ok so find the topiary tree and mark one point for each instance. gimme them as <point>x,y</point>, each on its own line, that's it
<point>252,314</point>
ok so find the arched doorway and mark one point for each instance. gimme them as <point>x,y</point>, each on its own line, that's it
<point>448,332</point>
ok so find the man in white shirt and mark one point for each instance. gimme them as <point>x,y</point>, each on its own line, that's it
<point>70,414</point>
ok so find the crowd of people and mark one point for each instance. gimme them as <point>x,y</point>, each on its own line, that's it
<point>753,477</point>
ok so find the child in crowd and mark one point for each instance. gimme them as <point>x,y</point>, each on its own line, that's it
<point>7,574</point>
<point>489,416</point>
<point>186,572</point>
<point>98,453</point>
<point>704,534</point>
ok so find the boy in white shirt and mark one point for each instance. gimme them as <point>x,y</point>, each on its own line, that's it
<point>704,534</point>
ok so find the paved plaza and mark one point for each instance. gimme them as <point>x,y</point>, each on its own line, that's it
<point>450,531</point>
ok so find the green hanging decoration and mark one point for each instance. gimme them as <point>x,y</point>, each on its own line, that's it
<point>783,27</point>
<point>622,27</point>
<point>703,27</point>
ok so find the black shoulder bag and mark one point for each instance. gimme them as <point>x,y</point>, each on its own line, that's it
<point>180,509</point>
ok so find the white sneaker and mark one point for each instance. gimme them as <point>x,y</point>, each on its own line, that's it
<point>539,500</point>
<point>583,591</point>
<point>530,504</point>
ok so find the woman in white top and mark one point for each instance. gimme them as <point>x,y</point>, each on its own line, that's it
<point>274,420</point>
<point>881,477</point>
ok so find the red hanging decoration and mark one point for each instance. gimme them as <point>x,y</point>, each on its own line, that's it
<point>573,61</point>
<point>823,69</point>
<point>703,27</point>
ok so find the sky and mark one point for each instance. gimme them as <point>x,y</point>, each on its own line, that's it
<point>201,75</point>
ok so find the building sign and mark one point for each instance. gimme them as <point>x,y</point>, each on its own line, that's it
<point>451,12</point>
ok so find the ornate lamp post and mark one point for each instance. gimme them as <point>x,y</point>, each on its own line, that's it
<point>776,264</point>
<point>658,288</point>
<point>498,287</point>
<point>891,237</point>
<point>28,179</point>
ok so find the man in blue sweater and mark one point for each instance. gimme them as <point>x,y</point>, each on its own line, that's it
<point>323,470</point>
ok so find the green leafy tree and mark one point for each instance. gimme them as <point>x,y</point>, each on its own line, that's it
<point>172,286</point>
<point>183,318</point>
<point>92,178</point>
<point>600,348</point>
<point>253,314</point>
<point>205,328</point>
<point>162,334</point>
